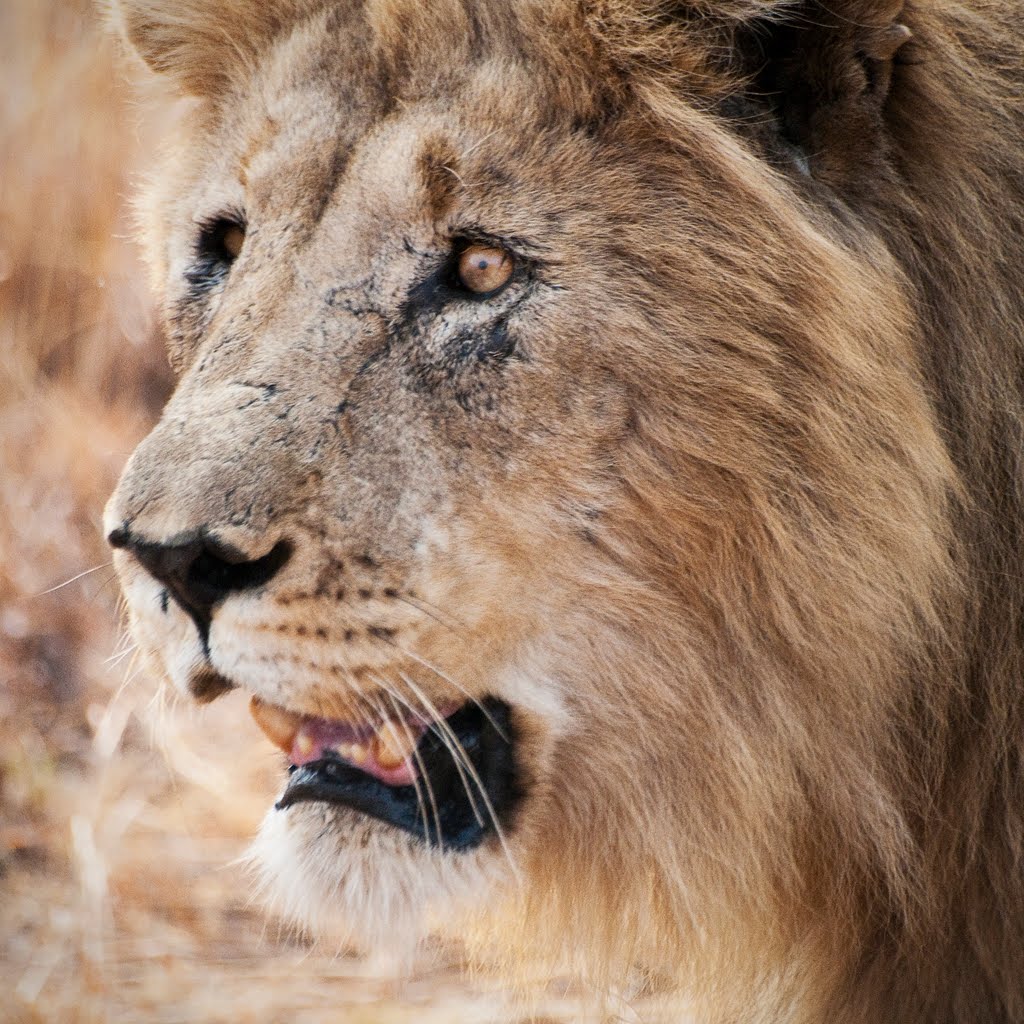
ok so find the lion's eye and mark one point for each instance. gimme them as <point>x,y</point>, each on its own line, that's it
<point>485,268</point>
<point>222,241</point>
<point>232,240</point>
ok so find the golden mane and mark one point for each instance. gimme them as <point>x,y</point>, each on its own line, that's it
<point>779,513</point>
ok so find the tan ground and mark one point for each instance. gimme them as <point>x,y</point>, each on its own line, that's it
<point>120,813</point>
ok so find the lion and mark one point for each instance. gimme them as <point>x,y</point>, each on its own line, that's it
<point>597,453</point>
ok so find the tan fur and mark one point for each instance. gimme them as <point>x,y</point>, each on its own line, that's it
<point>736,529</point>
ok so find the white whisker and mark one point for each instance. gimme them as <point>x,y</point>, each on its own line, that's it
<point>451,742</point>
<point>66,583</point>
<point>435,613</point>
<point>460,755</point>
<point>422,773</point>
<point>423,663</point>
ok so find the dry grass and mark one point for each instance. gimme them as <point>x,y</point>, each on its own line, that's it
<point>120,816</point>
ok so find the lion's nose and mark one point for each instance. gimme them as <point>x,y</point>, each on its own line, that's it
<point>199,571</point>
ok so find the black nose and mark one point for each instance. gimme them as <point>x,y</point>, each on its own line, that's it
<point>201,571</point>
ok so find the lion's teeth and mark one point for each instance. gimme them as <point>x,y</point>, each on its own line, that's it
<point>391,747</point>
<point>278,725</point>
<point>357,753</point>
<point>394,744</point>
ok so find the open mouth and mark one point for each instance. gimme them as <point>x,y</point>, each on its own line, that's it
<point>450,782</point>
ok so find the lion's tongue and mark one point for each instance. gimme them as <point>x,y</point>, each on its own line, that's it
<point>386,752</point>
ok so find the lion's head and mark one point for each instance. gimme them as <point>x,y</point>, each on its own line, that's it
<point>553,464</point>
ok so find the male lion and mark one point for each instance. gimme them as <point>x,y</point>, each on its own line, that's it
<point>597,451</point>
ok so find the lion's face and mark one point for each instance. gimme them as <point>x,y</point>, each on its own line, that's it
<point>533,451</point>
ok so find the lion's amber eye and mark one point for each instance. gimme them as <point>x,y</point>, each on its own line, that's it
<point>221,241</point>
<point>485,268</point>
<point>232,240</point>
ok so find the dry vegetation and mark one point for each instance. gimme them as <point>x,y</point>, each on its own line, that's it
<point>121,813</point>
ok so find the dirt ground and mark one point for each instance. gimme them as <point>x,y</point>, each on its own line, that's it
<point>122,813</point>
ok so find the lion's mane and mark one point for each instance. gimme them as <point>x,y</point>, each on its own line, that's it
<point>790,617</point>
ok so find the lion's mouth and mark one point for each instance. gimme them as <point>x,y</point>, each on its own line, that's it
<point>449,782</point>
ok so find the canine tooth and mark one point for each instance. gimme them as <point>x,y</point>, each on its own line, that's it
<point>278,725</point>
<point>305,743</point>
<point>394,743</point>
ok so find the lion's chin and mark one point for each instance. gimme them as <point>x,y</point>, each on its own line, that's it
<point>367,885</point>
<point>377,850</point>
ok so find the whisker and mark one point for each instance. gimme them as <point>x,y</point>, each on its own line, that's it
<point>117,657</point>
<point>419,712</point>
<point>476,145</point>
<point>125,644</point>
<point>443,618</point>
<point>112,578</point>
<point>66,583</point>
<point>455,748</point>
<point>446,678</point>
<point>369,710</point>
<point>395,700</point>
<point>435,613</point>
<point>459,755</point>
<point>471,768</point>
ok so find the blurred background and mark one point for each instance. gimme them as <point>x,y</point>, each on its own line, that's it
<point>122,812</point>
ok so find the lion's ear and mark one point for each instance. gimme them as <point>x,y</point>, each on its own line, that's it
<point>201,45</point>
<point>825,70</point>
<point>819,72</point>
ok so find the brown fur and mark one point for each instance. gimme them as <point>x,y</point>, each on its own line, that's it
<point>736,528</point>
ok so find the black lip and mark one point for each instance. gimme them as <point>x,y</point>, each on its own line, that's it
<point>463,817</point>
